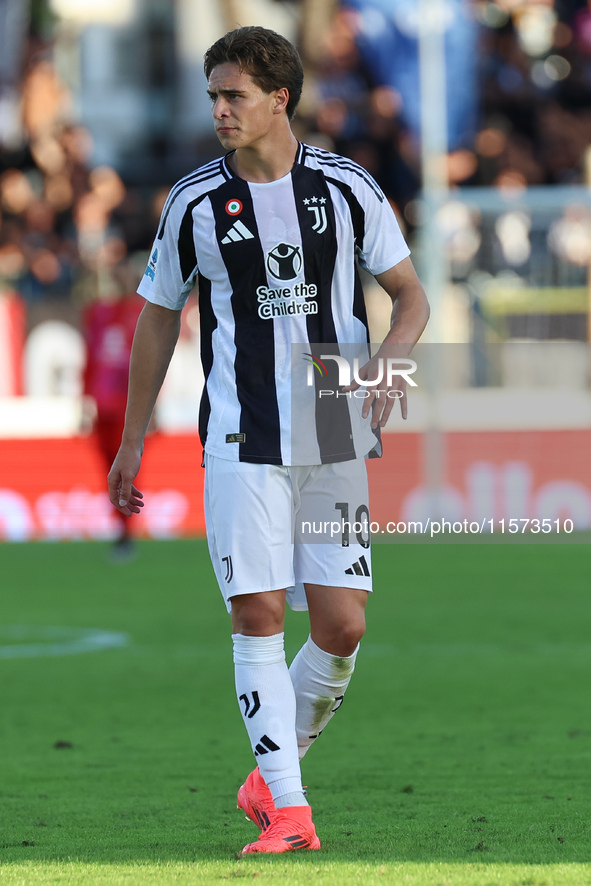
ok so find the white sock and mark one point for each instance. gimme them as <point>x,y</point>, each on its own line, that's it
<point>319,681</point>
<point>267,703</point>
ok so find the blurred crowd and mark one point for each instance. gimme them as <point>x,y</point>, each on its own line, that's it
<point>72,231</point>
<point>67,228</point>
<point>533,122</point>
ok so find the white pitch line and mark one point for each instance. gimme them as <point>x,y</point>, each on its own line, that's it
<point>56,641</point>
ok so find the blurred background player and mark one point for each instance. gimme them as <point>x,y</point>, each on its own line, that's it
<point>108,324</point>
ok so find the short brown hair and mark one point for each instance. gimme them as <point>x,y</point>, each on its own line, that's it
<point>270,59</point>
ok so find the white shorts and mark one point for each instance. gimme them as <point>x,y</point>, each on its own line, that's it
<point>273,526</point>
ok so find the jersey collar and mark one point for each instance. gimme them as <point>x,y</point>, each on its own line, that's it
<point>229,173</point>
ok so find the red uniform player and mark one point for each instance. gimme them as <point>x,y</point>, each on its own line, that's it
<point>108,327</point>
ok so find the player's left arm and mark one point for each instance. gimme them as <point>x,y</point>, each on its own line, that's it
<point>410,313</point>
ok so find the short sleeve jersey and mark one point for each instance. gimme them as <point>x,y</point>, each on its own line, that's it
<point>276,265</point>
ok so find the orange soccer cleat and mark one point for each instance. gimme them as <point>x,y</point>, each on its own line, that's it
<point>291,828</point>
<point>254,798</point>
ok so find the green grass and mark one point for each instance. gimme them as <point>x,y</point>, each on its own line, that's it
<point>461,755</point>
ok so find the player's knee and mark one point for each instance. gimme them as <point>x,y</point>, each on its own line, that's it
<point>258,615</point>
<point>342,638</point>
<point>352,635</point>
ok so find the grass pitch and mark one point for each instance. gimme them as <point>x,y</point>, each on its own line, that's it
<point>460,757</point>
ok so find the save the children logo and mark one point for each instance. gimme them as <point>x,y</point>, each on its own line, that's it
<point>284,261</point>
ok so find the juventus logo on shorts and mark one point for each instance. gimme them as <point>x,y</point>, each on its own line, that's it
<point>229,568</point>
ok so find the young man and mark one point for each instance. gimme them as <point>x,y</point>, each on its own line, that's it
<point>271,233</point>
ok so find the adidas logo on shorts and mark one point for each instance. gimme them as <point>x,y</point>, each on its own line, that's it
<point>360,567</point>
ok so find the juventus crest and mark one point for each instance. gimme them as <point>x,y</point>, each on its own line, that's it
<point>319,210</point>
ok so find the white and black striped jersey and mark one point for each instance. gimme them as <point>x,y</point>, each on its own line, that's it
<point>276,268</point>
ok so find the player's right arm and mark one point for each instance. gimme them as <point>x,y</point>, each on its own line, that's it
<point>154,341</point>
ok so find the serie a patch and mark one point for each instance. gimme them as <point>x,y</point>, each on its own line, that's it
<point>235,438</point>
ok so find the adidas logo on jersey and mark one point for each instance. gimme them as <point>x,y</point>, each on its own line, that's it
<point>238,232</point>
<point>358,568</point>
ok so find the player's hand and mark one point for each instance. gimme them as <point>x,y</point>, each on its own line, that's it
<point>122,492</point>
<point>382,396</point>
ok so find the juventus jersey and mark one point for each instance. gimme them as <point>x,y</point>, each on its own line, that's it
<point>278,287</point>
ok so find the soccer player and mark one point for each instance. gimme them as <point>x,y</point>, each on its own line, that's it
<point>108,325</point>
<point>271,234</point>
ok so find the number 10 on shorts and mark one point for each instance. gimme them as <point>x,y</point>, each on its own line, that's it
<point>360,526</point>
